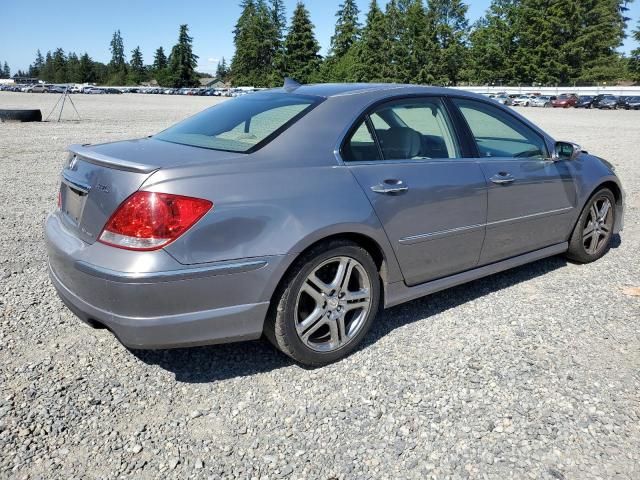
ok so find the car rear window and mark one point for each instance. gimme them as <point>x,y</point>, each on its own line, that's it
<point>241,125</point>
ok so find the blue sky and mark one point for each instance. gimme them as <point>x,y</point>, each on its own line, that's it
<point>87,25</point>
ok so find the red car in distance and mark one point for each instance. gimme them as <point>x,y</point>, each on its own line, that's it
<point>565,101</point>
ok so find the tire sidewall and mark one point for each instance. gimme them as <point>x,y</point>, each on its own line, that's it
<point>286,316</point>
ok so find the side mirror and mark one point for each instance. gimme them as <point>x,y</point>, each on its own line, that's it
<point>566,151</point>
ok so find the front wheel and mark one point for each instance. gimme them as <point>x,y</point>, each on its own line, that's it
<point>592,234</point>
<point>326,304</point>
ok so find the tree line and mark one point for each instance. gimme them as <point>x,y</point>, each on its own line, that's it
<point>178,69</point>
<point>432,42</point>
<point>546,42</point>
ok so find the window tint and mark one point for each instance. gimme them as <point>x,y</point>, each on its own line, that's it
<point>498,134</point>
<point>361,146</point>
<point>240,125</point>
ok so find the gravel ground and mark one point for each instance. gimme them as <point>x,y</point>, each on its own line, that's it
<point>532,373</point>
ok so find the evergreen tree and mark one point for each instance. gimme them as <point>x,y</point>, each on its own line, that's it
<point>36,66</point>
<point>420,43</point>
<point>301,47</point>
<point>136,67</point>
<point>369,54</point>
<point>73,68</point>
<point>6,71</point>
<point>86,69</point>
<point>450,25</point>
<point>117,65</point>
<point>634,61</point>
<point>159,60</point>
<point>182,61</point>
<point>347,30</point>
<point>279,29</point>
<point>59,66</point>
<point>395,68</point>
<point>252,61</point>
<point>222,71</point>
<point>493,43</point>
<point>47,72</point>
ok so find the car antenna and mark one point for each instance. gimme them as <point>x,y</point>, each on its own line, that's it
<point>290,84</point>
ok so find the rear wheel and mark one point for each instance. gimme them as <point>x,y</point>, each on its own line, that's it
<point>592,234</point>
<point>326,304</point>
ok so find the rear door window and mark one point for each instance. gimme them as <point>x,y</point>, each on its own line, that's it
<point>411,129</point>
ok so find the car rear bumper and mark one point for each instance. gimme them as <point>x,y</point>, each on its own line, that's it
<point>164,307</point>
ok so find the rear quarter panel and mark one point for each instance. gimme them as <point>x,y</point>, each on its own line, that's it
<point>272,210</point>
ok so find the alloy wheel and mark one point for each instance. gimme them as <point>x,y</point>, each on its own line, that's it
<point>598,226</point>
<point>333,304</point>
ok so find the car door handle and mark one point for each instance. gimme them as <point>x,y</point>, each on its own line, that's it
<point>390,187</point>
<point>503,178</point>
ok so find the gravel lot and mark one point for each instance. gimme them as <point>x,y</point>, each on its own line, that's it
<point>532,373</point>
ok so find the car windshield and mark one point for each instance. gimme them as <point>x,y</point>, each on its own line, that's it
<point>241,125</point>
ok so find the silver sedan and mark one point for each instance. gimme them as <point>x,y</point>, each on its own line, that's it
<point>298,213</point>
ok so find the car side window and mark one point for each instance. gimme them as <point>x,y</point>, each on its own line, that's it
<point>411,129</point>
<point>498,134</point>
<point>361,146</point>
<point>415,129</point>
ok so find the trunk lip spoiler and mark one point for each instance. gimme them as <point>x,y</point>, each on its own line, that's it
<point>96,158</point>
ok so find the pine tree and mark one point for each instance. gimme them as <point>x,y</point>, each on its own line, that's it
<point>347,30</point>
<point>302,58</point>
<point>159,60</point>
<point>136,67</point>
<point>246,61</point>
<point>222,71</point>
<point>59,64</point>
<point>73,68</point>
<point>493,43</point>
<point>117,65</point>
<point>451,30</point>
<point>634,61</point>
<point>279,28</point>
<point>6,71</point>
<point>86,69</point>
<point>421,45</point>
<point>395,68</point>
<point>182,61</point>
<point>36,67</point>
<point>369,54</point>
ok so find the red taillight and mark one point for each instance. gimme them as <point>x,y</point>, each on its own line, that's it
<point>149,220</point>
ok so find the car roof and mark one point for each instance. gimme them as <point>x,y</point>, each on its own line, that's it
<point>327,90</point>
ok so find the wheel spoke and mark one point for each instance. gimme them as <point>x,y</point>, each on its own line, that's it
<point>344,269</point>
<point>358,299</point>
<point>605,228</point>
<point>604,210</point>
<point>315,318</point>
<point>313,328</point>
<point>319,284</point>
<point>591,226</point>
<point>340,321</point>
<point>593,213</point>
<point>310,290</point>
<point>334,334</point>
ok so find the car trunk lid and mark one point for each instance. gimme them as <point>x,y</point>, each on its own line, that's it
<point>98,178</point>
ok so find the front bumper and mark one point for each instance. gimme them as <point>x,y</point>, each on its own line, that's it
<point>167,304</point>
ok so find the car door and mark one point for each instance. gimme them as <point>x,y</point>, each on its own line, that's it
<point>530,196</point>
<point>430,200</point>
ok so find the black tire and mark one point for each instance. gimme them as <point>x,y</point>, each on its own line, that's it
<point>21,115</point>
<point>280,326</point>
<point>577,250</point>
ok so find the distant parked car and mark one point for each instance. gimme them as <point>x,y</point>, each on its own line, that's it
<point>57,89</point>
<point>632,103</point>
<point>113,91</point>
<point>39,88</point>
<point>621,102</point>
<point>584,101</point>
<point>564,101</point>
<point>543,101</point>
<point>522,101</point>
<point>607,102</point>
<point>95,91</point>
